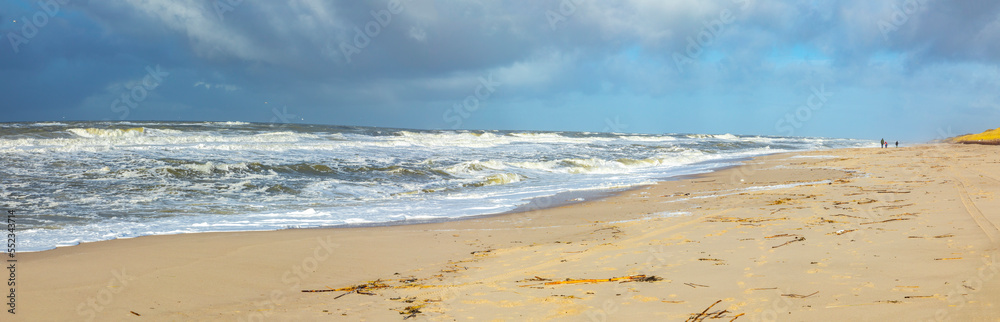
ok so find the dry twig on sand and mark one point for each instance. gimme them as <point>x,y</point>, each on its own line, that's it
<point>797,296</point>
<point>887,220</point>
<point>713,315</point>
<point>797,239</point>
<point>623,279</point>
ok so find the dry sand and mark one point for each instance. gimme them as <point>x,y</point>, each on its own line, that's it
<point>860,234</point>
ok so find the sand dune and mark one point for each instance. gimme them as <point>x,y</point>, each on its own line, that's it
<point>989,137</point>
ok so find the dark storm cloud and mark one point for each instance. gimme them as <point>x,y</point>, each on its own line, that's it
<point>403,63</point>
<point>953,30</point>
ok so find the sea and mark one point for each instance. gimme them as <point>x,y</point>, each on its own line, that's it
<point>74,182</point>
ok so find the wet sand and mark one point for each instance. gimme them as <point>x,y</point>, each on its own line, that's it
<point>855,234</point>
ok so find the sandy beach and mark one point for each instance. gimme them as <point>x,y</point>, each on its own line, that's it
<point>902,234</point>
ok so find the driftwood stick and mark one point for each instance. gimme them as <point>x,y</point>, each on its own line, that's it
<point>698,317</point>
<point>717,315</point>
<point>797,239</point>
<point>887,220</point>
<point>800,296</point>
<point>317,291</point>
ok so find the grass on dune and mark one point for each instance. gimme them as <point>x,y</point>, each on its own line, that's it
<point>988,137</point>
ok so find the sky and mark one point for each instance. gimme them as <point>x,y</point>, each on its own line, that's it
<point>913,70</point>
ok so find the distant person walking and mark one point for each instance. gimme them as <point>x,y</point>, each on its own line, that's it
<point>882,143</point>
<point>897,144</point>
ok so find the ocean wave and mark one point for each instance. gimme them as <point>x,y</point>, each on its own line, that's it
<point>726,136</point>
<point>189,170</point>
<point>499,179</point>
<point>103,180</point>
<point>486,139</point>
<point>648,138</point>
<point>93,133</point>
<point>472,167</point>
<point>229,123</point>
<point>49,124</point>
<point>103,140</point>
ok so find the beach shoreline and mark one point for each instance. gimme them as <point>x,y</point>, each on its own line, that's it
<point>559,199</point>
<point>158,178</point>
<point>731,235</point>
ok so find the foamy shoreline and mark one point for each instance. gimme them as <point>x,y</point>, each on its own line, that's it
<point>77,182</point>
<point>868,234</point>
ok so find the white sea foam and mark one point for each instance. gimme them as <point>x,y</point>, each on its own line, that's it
<point>90,181</point>
<point>48,124</point>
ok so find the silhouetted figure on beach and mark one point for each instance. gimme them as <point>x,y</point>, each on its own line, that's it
<point>882,144</point>
<point>897,144</point>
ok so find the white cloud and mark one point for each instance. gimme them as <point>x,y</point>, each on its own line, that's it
<point>208,35</point>
<point>539,70</point>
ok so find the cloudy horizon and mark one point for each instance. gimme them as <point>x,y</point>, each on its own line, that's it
<point>911,70</point>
